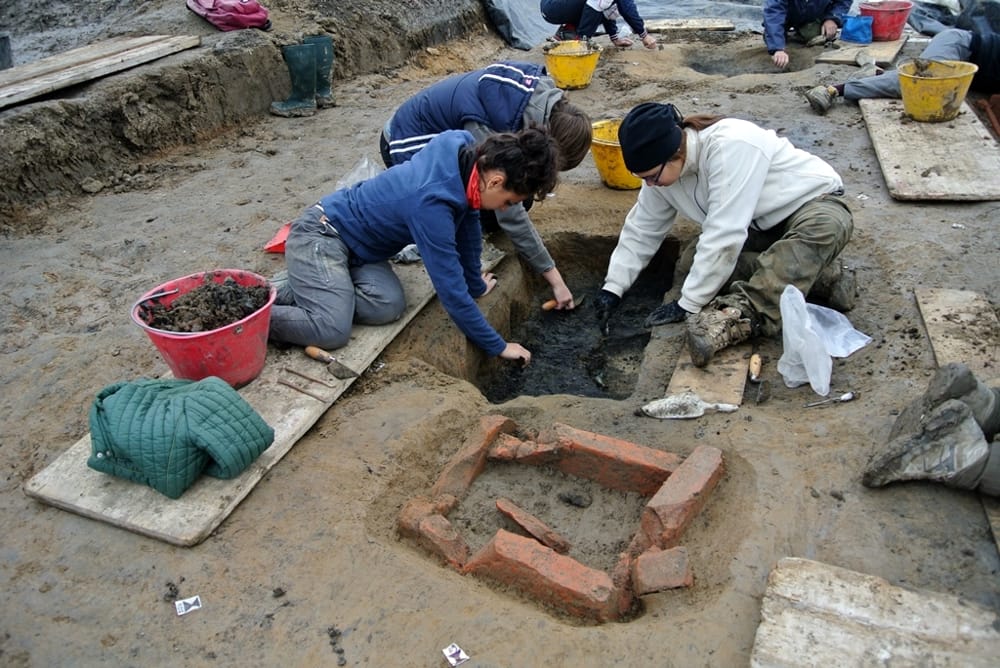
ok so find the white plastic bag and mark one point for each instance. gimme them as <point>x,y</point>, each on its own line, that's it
<point>811,336</point>
<point>362,170</point>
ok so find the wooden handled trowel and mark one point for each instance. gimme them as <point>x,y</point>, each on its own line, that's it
<point>333,365</point>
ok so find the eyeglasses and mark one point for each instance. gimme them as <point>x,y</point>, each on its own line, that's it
<point>653,179</point>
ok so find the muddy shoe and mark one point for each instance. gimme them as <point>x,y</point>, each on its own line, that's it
<point>714,329</point>
<point>956,381</point>
<point>821,98</point>
<point>949,447</point>
<point>837,287</point>
<point>566,33</point>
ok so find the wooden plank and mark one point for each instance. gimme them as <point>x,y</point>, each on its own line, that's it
<point>90,62</point>
<point>962,327</point>
<point>670,25</point>
<point>814,614</point>
<point>69,484</point>
<point>955,160</point>
<point>721,381</point>
<point>884,52</point>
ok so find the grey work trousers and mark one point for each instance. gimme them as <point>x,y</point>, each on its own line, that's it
<point>793,252</point>
<point>329,293</point>
<point>951,44</point>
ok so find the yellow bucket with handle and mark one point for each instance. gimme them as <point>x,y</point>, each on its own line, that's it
<point>607,154</point>
<point>571,64</point>
<point>933,90</point>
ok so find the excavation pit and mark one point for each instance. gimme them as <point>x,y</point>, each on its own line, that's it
<point>570,354</point>
<point>533,550</point>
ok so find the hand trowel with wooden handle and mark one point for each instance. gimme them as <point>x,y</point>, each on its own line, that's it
<point>333,365</point>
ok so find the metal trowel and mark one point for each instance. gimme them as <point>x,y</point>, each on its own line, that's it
<point>685,405</point>
<point>333,365</point>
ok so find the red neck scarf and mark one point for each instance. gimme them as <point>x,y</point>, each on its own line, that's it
<point>472,189</point>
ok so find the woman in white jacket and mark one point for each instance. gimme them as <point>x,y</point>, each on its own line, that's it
<point>764,206</point>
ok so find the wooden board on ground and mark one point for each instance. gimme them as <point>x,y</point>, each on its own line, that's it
<point>671,25</point>
<point>814,614</point>
<point>955,160</point>
<point>25,82</point>
<point>962,327</point>
<point>70,484</point>
<point>720,382</point>
<point>883,52</point>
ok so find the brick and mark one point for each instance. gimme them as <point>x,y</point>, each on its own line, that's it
<point>538,529</point>
<point>419,507</point>
<point>470,460</point>
<point>552,578</point>
<point>437,535</point>
<point>681,497</point>
<point>659,570</point>
<point>611,462</point>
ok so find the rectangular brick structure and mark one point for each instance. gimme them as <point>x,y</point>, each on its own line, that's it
<point>682,496</point>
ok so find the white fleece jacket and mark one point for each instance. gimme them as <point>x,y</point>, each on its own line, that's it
<point>736,174</point>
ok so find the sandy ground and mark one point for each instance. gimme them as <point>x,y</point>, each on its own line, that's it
<point>309,569</point>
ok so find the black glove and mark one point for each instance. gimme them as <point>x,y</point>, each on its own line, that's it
<point>665,314</point>
<point>605,304</point>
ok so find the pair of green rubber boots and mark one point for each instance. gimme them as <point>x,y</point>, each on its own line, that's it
<point>309,65</point>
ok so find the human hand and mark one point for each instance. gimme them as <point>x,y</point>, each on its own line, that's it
<point>665,314</point>
<point>515,351</point>
<point>605,304</point>
<point>830,30</point>
<point>491,282</point>
<point>780,59</point>
<point>649,41</point>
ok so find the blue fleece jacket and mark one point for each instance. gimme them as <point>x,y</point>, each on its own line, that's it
<point>423,202</point>
<point>780,15</point>
<point>495,96</point>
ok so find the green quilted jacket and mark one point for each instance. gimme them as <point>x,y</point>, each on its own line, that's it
<point>166,433</point>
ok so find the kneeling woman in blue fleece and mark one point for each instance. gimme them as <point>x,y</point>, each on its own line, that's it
<point>338,250</point>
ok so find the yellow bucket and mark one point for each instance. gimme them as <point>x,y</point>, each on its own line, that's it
<point>572,64</point>
<point>607,154</point>
<point>933,90</point>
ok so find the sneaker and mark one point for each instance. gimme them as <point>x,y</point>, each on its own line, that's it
<point>821,98</point>
<point>566,33</point>
<point>836,286</point>
<point>714,329</point>
<point>621,42</point>
<point>948,447</point>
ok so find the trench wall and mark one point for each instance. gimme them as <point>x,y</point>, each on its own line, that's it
<point>54,147</point>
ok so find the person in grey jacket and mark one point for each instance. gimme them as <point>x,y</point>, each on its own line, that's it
<point>506,96</point>
<point>983,50</point>
<point>770,215</point>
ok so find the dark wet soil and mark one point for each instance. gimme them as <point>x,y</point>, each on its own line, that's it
<point>209,306</point>
<point>569,353</point>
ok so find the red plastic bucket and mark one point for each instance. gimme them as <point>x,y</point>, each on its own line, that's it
<point>235,353</point>
<point>888,18</point>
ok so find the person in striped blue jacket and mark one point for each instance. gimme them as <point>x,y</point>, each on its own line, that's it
<point>502,97</point>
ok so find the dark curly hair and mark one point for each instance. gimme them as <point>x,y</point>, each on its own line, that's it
<point>529,159</point>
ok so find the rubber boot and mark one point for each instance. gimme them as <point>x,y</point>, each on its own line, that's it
<point>948,446</point>
<point>324,65</point>
<point>714,328</point>
<point>953,381</point>
<point>301,61</point>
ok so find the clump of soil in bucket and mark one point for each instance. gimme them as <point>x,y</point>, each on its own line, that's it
<point>209,306</point>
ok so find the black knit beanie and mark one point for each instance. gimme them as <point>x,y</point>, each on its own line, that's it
<point>649,136</point>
